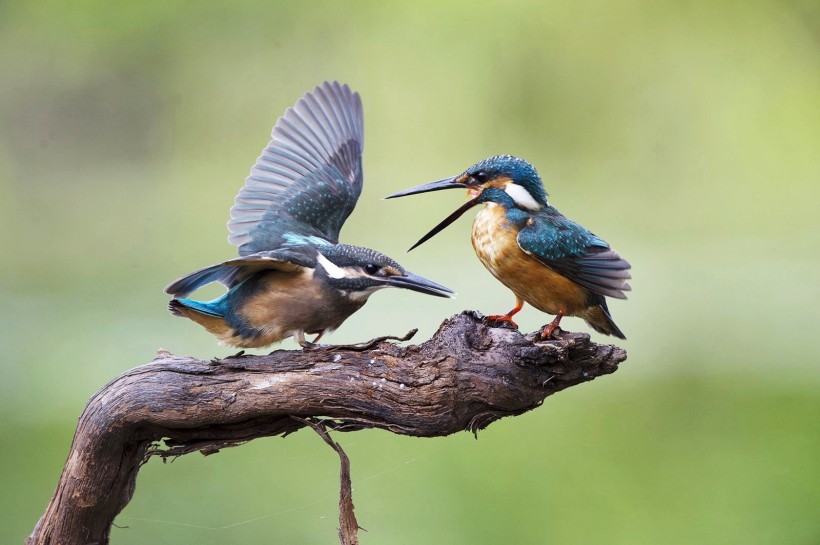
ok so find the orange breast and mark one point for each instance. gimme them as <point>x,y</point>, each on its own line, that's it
<point>495,244</point>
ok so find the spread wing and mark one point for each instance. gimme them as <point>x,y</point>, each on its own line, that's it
<point>308,178</point>
<point>574,252</point>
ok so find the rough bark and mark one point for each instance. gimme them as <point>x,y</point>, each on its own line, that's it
<point>464,378</point>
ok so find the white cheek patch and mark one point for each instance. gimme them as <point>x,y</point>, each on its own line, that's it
<point>521,196</point>
<point>332,270</point>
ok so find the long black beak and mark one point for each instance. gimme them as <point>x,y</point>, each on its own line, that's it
<point>445,222</point>
<point>420,284</point>
<point>438,185</point>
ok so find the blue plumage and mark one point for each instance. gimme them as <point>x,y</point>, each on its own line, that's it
<point>570,249</point>
<point>546,259</point>
<point>293,276</point>
<point>562,244</point>
<point>308,178</point>
<point>217,307</point>
<point>514,168</point>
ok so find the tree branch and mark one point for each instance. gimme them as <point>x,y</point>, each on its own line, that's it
<point>464,378</point>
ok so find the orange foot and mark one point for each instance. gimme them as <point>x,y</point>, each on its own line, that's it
<point>503,318</point>
<point>552,327</point>
<point>507,318</point>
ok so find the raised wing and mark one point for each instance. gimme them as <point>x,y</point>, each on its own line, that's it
<point>308,178</point>
<point>571,250</point>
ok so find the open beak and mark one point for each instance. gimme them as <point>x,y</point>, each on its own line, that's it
<point>420,284</point>
<point>446,183</point>
<point>445,222</point>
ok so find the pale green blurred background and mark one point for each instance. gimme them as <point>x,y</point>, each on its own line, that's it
<point>685,133</point>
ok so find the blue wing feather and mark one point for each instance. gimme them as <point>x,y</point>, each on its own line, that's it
<point>308,178</point>
<point>574,252</point>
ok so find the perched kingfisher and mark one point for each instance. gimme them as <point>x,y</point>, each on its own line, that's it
<point>292,275</point>
<point>547,260</point>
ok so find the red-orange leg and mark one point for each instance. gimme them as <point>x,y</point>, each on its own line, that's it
<point>519,304</point>
<point>550,328</point>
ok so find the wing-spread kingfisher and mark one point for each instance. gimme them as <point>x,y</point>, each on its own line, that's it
<point>292,275</point>
<point>546,259</point>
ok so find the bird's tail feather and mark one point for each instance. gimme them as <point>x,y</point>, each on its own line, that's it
<point>183,307</point>
<point>600,320</point>
<point>208,315</point>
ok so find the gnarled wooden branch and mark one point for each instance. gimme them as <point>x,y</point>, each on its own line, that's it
<point>464,378</point>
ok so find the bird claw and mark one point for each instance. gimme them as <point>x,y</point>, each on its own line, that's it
<point>550,331</point>
<point>500,320</point>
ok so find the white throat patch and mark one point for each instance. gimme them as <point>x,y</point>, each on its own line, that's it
<point>521,196</point>
<point>332,270</point>
<point>359,296</point>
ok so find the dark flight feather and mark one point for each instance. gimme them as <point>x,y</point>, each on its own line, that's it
<point>308,178</point>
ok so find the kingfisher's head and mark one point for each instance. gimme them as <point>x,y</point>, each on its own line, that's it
<point>359,272</point>
<point>517,178</point>
<point>511,174</point>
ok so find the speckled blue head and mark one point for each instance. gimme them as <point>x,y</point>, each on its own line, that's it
<point>500,167</point>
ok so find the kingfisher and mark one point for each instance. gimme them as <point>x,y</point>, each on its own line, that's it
<point>292,276</point>
<point>546,259</point>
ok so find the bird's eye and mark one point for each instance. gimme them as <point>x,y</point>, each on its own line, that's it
<point>480,176</point>
<point>370,268</point>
